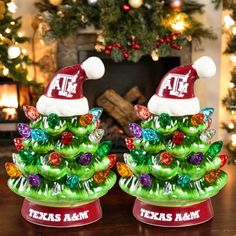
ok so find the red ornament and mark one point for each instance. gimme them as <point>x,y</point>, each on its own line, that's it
<point>161,40</point>
<point>18,143</point>
<point>142,112</point>
<point>125,7</point>
<point>166,158</point>
<point>129,143</point>
<point>197,119</point>
<point>117,45</point>
<point>109,47</point>
<point>137,46</point>
<point>86,119</point>
<point>176,5</point>
<point>107,52</point>
<point>168,39</point>
<point>224,159</point>
<point>31,112</point>
<point>55,158</point>
<point>126,55</point>
<point>112,159</point>
<point>66,138</point>
<point>178,137</point>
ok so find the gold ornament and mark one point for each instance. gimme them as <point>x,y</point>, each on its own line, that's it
<point>55,3</point>
<point>136,3</point>
<point>2,9</point>
<point>155,55</point>
<point>99,47</point>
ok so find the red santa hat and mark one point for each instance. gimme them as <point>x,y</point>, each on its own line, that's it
<point>175,93</point>
<point>64,93</point>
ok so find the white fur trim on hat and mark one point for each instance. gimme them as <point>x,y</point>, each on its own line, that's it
<point>174,107</point>
<point>205,67</point>
<point>62,107</point>
<point>93,67</point>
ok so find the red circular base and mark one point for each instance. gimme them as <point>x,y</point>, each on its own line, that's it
<point>61,216</point>
<point>173,216</point>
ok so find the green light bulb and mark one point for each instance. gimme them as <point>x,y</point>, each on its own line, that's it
<point>104,148</point>
<point>215,148</point>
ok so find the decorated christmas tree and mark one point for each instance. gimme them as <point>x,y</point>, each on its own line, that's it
<point>13,59</point>
<point>173,165</point>
<point>61,161</point>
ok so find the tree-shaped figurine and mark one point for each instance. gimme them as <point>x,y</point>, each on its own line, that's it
<point>173,167</point>
<point>62,168</point>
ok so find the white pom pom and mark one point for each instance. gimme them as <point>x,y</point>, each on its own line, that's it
<point>94,67</point>
<point>205,67</point>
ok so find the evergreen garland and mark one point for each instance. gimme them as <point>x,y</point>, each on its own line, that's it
<point>127,33</point>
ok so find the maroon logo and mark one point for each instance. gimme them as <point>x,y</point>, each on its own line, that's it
<point>64,85</point>
<point>176,84</point>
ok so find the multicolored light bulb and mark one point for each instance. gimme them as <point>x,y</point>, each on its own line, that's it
<point>129,143</point>
<point>166,158</point>
<point>178,137</point>
<point>149,135</point>
<point>67,138</point>
<point>104,148</point>
<point>112,159</point>
<point>183,181</point>
<point>96,112</point>
<point>12,170</point>
<point>135,130</point>
<point>85,158</point>
<point>34,180</point>
<point>86,119</point>
<point>18,142</point>
<point>123,170</point>
<point>96,136</point>
<point>224,158</point>
<point>196,158</point>
<point>212,176</point>
<point>31,112</point>
<point>55,158</point>
<point>53,120</point>
<point>207,112</point>
<point>100,176</point>
<point>207,135</point>
<point>145,180</point>
<point>38,135</point>
<point>142,112</point>
<point>26,156</point>
<point>215,148</point>
<point>24,130</point>
<point>72,181</point>
<point>197,119</point>
<point>164,120</point>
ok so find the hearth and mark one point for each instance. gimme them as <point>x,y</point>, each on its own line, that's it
<point>121,78</point>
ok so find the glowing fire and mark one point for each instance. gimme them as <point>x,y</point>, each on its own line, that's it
<point>8,102</point>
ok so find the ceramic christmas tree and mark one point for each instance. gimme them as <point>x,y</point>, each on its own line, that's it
<point>62,168</point>
<point>174,167</point>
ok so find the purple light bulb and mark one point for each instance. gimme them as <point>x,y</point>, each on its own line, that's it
<point>135,130</point>
<point>85,158</point>
<point>196,158</point>
<point>24,130</point>
<point>34,180</point>
<point>145,180</point>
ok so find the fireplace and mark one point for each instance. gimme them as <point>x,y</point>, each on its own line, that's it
<point>123,77</point>
<point>12,97</point>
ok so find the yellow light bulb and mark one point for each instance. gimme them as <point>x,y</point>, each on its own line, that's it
<point>11,7</point>
<point>5,71</point>
<point>231,125</point>
<point>20,34</point>
<point>8,31</point>
<point>228,21</point>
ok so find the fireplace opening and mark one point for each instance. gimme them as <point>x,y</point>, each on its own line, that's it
<point>119,80</point>
<point>12,97</point>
